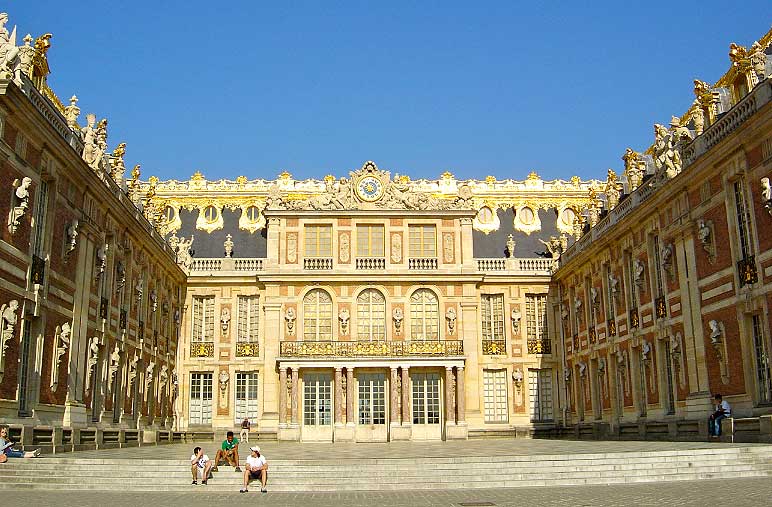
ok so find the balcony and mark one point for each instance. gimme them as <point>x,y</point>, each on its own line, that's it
<point>317,263</point>
<point>302,349</point>
<point>215,264</point>
<point>202,349</point>
<point>371,263</point>
<point>494,347</point>
<point>422,263</point>
<point>247,349</point>
<point>515,266</point>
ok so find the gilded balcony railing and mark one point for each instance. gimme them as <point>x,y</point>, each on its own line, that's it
<point>494,347</point>
<point>372,348</point>
<point>247,349</point>
<point>539,347</point>
<point>202,349</point>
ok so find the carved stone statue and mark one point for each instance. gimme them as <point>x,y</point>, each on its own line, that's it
<point>115,361</point>
<point>666,258</point>
<point>715,331</point>
<point>20,203</point>
<point>554,247</point>
<point>645,350</point>
<point>117,165</point>
<point>594,299</point>
<point>613,283</point>
<point>450,317</point>
<point>290,316</point>
<point>398,316</point>
<point>758,61</point>
<point>61,344</point>
<point>698,117</point>
<point>132,185</point>
<point>120,279</point>
<point>223,378</point>
<point>93,357</point>
<point>766,194</point>
<point>8,321</point>
<point>510,246</point>
<point>72,112</point>
<point>71,232</point>
<point>516,316</point>
<point>343,318</point>
<point>666,157</point>
<point>153,300</point>
<point>101,260</point>
<point>8,50</point>
<point>139,289</point>
<point>228,246</point>
<point>225,319</point>
<point>634,168</point>
<point>88,134</point>
<point>639,268</point>
<point>612,189</point>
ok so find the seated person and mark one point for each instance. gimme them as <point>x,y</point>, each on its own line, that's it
<point>255,468</point>
<point>244,435</point>
<point>7,450</point>
<point>722,411</point>
<point>200,462</point>
<point>229,452</point>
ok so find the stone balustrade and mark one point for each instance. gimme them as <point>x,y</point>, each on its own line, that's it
<point>422,263</point>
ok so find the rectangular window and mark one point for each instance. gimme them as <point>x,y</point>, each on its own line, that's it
<point>200,399</point>
<point>370,241</point>
<point>246,396</point>
<point>203,319</point>
<point>761,354</point>
<point>659,288</point>
<point>40,219</point>
<point>536,317</point>
<point>495,396</point>
<point>317,399</point>
<point>426,398</point>
<point>590,309</point>
<point>423,241</point>
<point>540,390</point>
<point>493,317</point>
<point>670,408</point>
<point>372,398</point>
<point>318,240</point>
<point>248,319</point>
<point>632,290</point>
<point>610,303</point>
<point>743,219</point>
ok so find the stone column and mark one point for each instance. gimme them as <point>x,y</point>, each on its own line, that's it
<point>350,416</point>
<point>283,396</point>
<point>393,397</point>
<point>295,380</point>
<point>449,416</point>
<point>460,398</point>
<point>270,351</point>
<point>339,397</point>
<point>406,396</point>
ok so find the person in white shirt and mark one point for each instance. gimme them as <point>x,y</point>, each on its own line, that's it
<point>722,411</point>
<point>200,462</point>
<point>255,468</point>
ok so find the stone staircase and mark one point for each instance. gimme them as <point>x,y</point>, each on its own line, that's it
<point>376,474</point>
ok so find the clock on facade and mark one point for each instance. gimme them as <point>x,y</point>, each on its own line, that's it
<point>369,188</point>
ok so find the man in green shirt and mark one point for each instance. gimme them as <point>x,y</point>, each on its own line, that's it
<point>229,452</point>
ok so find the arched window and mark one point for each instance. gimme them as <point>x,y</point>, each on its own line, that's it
<point>371,315</point>
<point>317,316</point>
<point>424,312</point>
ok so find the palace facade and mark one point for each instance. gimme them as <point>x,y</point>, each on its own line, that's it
<point>369,306</point>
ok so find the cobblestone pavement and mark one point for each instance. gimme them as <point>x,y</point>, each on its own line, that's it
<point>449,449</point>
<point>734,492</point>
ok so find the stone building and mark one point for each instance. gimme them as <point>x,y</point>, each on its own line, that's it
<point>665,298</point>
<point>90,293</point>
<point>368,307</point>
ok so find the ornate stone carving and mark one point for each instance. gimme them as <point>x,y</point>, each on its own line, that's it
<point>71,233</point>
<point>766,195</point>
<point>555,247</point>
<point>117,165</point>
<point>101,261</point>
<point>526,220</point>
<point>225,319</point>
<point>343,318</point>
<point>8,51</point>
<point>705,235</point>
<point>61,344</point>
<point>718,341</point>
<point>289,317</point>
<point>675,344</point>
<point>622,370</point>
<point>153,300</point>
<point>228,246</point>
<point>120,279</point>
<point>132,375</point>
<point>115,362</point>
<point>613,190</point>
<point>450,317</point>
<point>72,112</point>
<point>517,380</point>
<point>149,375</point>
<point>515,317</point>
<point>183,249</point>
<point>93,357</point>
<point>582,369</point>
<point>758,61</point>
<point>667,148</point>
<point>139,289</point>
<point>613,283</point>
<point>698,117</point>
<point>20,203</point>
<point>634,168</point>
<point>223,378</point>
<point>447,247</point>
<point>292,248</point>
<point>639,273</point>
<point>510,250</point>
<point>345,247</point>
<point>666,258</point>
<point>8,321</point>
<point>397,315</point>
<point>396,248</point>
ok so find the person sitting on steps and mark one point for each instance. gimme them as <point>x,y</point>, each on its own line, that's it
<point>256,467</point>
<point>722,411</point>
<point>7,450</point>
<point>229,452</point>
<point>200,462</point>
<point>244,435</point>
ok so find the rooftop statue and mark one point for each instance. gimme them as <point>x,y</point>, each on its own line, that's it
<point>612,190</point>
<point>8,50</point>
<point>634,168</point>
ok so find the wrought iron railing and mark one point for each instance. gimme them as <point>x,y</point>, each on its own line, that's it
<point>634,322</point>
<point>746,269</point>
<point>611,327</point>
<point>247,349</point>
<point>494,347</point>
<point>38,271</point>
<point>202,349</point>
<point>371,348</point>
<point>660,307</point>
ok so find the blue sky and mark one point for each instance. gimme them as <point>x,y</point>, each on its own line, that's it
<point>477,88</point>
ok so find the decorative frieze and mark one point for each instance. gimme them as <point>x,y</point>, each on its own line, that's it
<point>371,348</point>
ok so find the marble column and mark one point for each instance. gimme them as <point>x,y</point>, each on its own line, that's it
<point>338,397</point>
<point>283,395</point>
<point>460,398</point>
<point>406,396</point>
<point>294,402</point>
<point>449,416</point>
<point>350,416</point>
<point>393,397</point>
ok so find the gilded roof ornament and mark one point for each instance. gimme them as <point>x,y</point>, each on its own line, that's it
<point>490,180</point>
<point>197,176</point>
<point>447,175</point>
<point>533,176</point>
<point>241,180</point>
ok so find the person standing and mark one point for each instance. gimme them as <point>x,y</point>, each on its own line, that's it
<point>721,412</point>
<point>256,467</point>
<point>244,435</point>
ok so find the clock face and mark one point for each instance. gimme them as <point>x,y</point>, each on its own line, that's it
<point>370,188</point>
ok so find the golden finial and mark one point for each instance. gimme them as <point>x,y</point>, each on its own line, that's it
<point>135,173</point>
<point>153,180</point>
<point>576,180</point>
<point>285,175</point>
<point>241,180</point>
<point>533,176</point>
<point>197,176</point>
<point>403,179</point>
<point>490,180</point>
<point>447,175</point>
<point>329,178</point>
<point>612,176</point>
